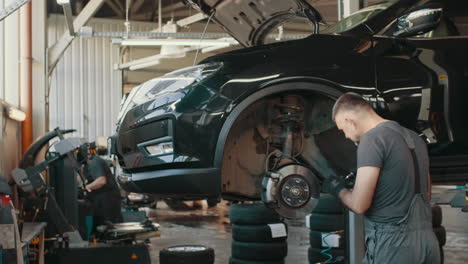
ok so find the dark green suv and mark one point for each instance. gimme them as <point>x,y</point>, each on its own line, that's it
<point>255,123</point>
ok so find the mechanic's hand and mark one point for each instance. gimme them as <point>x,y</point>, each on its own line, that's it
<point>349,180</point>
<point>82,193</point>
<point>335,185</point>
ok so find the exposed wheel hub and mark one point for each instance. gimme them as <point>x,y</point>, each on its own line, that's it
<point>292,190</point>
<point>295,191</point>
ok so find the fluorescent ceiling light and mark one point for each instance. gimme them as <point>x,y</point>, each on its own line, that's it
<point>63,2</point>
<point>176,42</point>
<point>145,60</point>
<point>172,51</point>
<point>143,65</point>
<point>213,48</point>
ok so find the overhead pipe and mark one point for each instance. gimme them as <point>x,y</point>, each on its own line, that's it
<point>26,75</point>
<point>150,34</point>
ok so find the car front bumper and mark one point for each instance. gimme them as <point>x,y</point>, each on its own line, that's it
<point>180,183</point>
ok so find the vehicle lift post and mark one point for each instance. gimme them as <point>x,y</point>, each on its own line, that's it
<point>356,238</point>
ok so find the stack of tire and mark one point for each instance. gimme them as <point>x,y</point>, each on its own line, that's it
<point>438,229</point>
<point>255,239</point>
<point>187,254</point>
<point>327,217</point>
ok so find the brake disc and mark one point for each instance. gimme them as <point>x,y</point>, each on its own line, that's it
<point>293,191</point>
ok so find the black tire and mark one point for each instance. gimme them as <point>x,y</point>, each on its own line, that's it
<point>243,261</point>
<point>212,202</point>
<point>154,205</point>
<point>328,204</point>
<point>316,240</point>
<point>441,235</point>
<point>254,233</point>
<point>326,222</point>
<point>252,214</point>
<point>315,255</point>
<point>186,254</point>
<point>259,251</point>
<point>436,216</point>
<point>178,205</point>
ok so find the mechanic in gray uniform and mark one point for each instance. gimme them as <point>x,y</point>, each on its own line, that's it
<point>101,188</point>
<point>392,187</point>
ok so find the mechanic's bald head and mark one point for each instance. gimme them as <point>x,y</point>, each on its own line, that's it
<point>351,102</point>
<point>353,115</point>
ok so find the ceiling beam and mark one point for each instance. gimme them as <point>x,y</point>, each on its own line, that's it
<point>173,7</point>
<point>119,4</point>
<point>67,11</point>
<point>117,10</point>
<point>57,50</point>
<point>136,6</point>
<point>191,19</point>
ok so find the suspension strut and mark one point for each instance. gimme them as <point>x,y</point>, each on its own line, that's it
<point>290,188</point>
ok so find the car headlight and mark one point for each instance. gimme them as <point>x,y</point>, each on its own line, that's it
<point>169,83</point>
<point>160,149</point>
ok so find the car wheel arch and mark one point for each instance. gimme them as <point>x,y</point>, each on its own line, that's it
<point>327,89</point>
<point>319,88</point>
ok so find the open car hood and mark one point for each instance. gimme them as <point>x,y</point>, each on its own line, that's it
<point>249,21</point>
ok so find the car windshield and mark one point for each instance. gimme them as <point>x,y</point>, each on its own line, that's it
<point>355,19</point>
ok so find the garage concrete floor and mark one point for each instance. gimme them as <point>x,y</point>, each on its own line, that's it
<point>210,227</point>
<point>456,223</point>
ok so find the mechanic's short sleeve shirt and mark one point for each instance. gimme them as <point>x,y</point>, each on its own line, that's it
<point>95,168</point>
<point>385,148</point>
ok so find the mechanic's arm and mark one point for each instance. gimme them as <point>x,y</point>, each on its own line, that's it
<point>360,198</point>
<point>97,184</point>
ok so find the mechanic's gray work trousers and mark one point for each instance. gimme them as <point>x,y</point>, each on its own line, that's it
<point>410,240</point>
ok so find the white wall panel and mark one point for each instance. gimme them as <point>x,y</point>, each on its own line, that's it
<point>2,55</point>
<point>11,57</point>
<point>10,131</point>
<point>39,68</point>
<point>85,90</point>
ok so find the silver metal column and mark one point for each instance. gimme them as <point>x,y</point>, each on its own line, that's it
<point>356,238</point>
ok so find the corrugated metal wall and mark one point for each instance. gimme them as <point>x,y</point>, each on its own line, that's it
<point>10,131</point>
<point>2,55</point>
<point>85,90</point>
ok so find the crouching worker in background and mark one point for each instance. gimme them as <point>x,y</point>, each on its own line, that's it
<point>101,187</point>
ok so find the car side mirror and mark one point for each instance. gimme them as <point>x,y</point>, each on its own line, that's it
<point>418,22</point>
